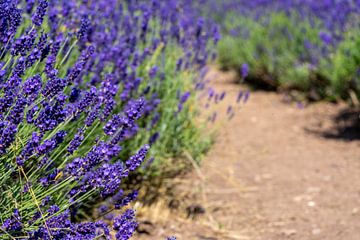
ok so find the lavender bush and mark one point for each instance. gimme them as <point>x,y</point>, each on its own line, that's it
<point>304,45</point>
<point>87,89</point>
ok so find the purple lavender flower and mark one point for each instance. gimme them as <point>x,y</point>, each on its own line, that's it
<point>29,149</point>
<point>325,37</point>
<point>10,20</point>
<point>50,178</point>
<point>17,112</point>
<point>121,201</point>
<point>102,152</point>
<point>7,133</point>
<point>216,34</point>
<point>32,87</point>
<point>244,70</point>
<point>52,143</point>
<point>125,225</point>
<point>51,115</point>
<point>90,97</point>
<point>38,52</point>
<point>114,124</point>
<point>183,99</point>
<point>107,178</point>
<point>76,142</point>
<point>84,27</point>
<point>38,16</point>
<point>179,64</point>
<point>45,201</point>
<point>74,95</point>
<point>13,223</point>
<point>246,96</point>
<point>29,5</point>
<point>103,209</point>
<point>50,70</point>
<point>135,161</point>
<point>134,109</point>
<point>155,119</point>
<point>213,117</point>
<point>154,138</point>
<point>153,71</point>
<point>53,87</point>
<point>93,115</point>
<point>229,109</point>
<point>80,64</point>
<point>30,115</point>
<point>63,228</point>
<point>222,96</point>
<point>24,44</point>
<point>239,97</point>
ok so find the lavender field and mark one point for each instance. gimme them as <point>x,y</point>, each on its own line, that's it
<point>179,119</point>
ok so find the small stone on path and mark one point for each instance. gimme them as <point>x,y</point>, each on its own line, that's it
<point>289,232</point>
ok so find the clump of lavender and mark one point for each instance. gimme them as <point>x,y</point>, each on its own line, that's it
<point>76,100</point>
<point>38,141</point>
<point>292,44</point>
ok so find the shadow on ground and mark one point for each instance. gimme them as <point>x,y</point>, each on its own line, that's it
<point>346,126</point>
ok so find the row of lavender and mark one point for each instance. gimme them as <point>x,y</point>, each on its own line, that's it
<point>88,91</point>
<point>312,46</point>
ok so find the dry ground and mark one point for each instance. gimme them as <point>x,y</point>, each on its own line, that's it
<point>277,171</point>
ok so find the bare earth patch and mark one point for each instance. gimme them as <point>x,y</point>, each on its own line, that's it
<point>277,171</point>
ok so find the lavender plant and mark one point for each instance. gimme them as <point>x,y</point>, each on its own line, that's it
<point>86,88</point>
<point>152,49</point>
<point>304,45</point>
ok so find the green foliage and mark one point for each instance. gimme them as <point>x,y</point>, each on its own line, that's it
<point>270,48</point>
<point>342,67</point>
<point>286,51</point>
<point>179,132</point>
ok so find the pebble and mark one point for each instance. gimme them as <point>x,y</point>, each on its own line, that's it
<point>327,178</point>
<point>300,198</point>
<point>316,231</point>
<point>311,204</point>
<point>289,232</point>
<point>260,178</point>
<point>355,211</point>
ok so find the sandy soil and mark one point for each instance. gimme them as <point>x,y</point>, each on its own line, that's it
<point>277,171</point>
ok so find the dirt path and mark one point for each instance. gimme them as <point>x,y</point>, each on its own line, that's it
<point>277,171</point>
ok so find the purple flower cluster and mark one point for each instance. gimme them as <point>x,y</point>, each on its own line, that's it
<point>10,17</point>
<point>125,225</point>
<point>38,16</point>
